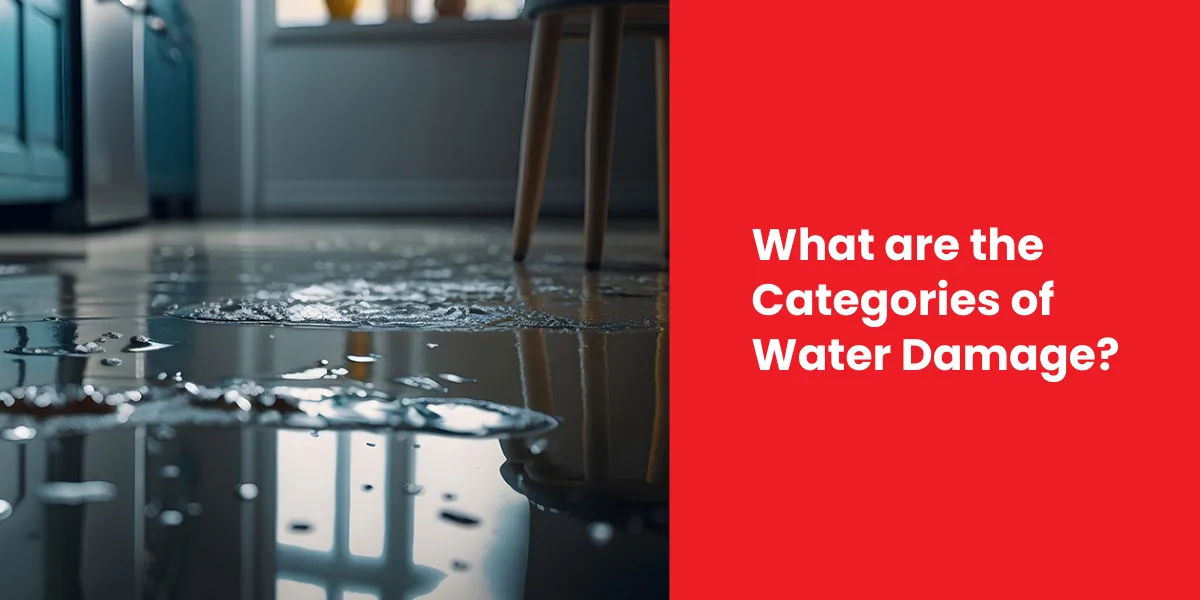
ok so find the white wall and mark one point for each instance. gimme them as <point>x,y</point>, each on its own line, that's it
<point>225,174</point>
<point>398,124</point>
<point>435,125</point>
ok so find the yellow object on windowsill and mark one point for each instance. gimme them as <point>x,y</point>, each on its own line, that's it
<point>341,10</point>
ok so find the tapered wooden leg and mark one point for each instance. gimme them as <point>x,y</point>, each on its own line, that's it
<point>662,77</point>
<point>540,93</point>
<point>607,22</point>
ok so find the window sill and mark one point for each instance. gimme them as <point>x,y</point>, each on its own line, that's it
<point>402,31</point>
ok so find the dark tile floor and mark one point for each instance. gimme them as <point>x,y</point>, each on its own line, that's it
<point>243,508</point>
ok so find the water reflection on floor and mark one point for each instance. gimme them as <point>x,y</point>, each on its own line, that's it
<point>256,512</point>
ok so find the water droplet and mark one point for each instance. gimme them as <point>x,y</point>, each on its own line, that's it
<point>367,487</point>
<point>6,510</point>
<point>459,518</point>
<point>370,444</point>
<point>151,510</point>
<point>170,518</point>
<point>247,491</point>
<point>422,383</point>
<point>452,378</point>
<point>412,489</point>
<point>538,446</point>
<point>112,335</point>
<point>417,446</point>
<point>300,527</point>
<point>601,533</point>
<point>164,433</point>
<point>366,358</point>
<point>141,343</point>
<point>459,565</point>
<point>111,362</point>
<point>71,493</point>
<point>19,433</point>
<point>170,472</point>
<point>88,348</point>
<point>431,345</point>
<point>195,509</point>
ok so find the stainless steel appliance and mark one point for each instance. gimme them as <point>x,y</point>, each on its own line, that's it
<point>111,185</point>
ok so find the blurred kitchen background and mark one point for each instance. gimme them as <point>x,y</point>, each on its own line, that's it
<point>270,108</point>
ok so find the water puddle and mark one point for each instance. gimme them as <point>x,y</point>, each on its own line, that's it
<point>442,304</point>
<point>308,405</point>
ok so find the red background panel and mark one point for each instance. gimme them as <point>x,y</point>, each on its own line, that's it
<point>1074,121</point>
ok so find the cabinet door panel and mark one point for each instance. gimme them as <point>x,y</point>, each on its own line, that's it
<point>13,161</point>
<point>44,92</point>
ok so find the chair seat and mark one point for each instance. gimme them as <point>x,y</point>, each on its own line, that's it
<point>533,7</point>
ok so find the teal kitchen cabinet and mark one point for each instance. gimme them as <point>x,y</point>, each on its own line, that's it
<point>170,77</point>
<point>34,163</point>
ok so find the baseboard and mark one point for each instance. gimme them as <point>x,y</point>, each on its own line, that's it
<point>440,198</point>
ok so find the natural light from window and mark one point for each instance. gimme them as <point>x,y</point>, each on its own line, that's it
<point>310,13</point>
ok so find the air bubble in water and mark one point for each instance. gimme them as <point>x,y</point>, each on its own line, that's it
<point>170,518</point>
<point>71,493</point>
<point>452,378</point>
<point>170,472</point>
<point>601,533</point>
<point>247,491</point>
<point>412,489</point>
<point>111,362</point>
<point>538,446</point>
<point>19,433</point>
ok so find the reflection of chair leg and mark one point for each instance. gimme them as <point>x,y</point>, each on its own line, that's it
<point>657,466</point>
<point>539,121</point>
<point>662,63</point>
<point>593,363</point>
<point>607,23</point>
<point>532,354</point>
<point>359,343</point>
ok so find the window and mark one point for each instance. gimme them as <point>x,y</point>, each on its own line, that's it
<point>309,13</point>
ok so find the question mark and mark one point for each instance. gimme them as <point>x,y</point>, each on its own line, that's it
<point>1108,347</point>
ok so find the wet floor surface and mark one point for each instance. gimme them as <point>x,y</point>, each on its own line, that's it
<point>334,412</point>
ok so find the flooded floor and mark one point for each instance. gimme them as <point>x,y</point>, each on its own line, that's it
<point>332,412</point>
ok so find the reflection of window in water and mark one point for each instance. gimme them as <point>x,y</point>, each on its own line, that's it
<point>335,486</point>
<point>307,13</point>
<point>290,589</point>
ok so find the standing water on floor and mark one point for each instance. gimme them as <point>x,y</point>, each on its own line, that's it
<point>271,412</point>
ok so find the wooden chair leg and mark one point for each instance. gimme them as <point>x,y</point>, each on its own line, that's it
<point>540,93</point>
<point>662,77</point>
<point>607,22</point>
